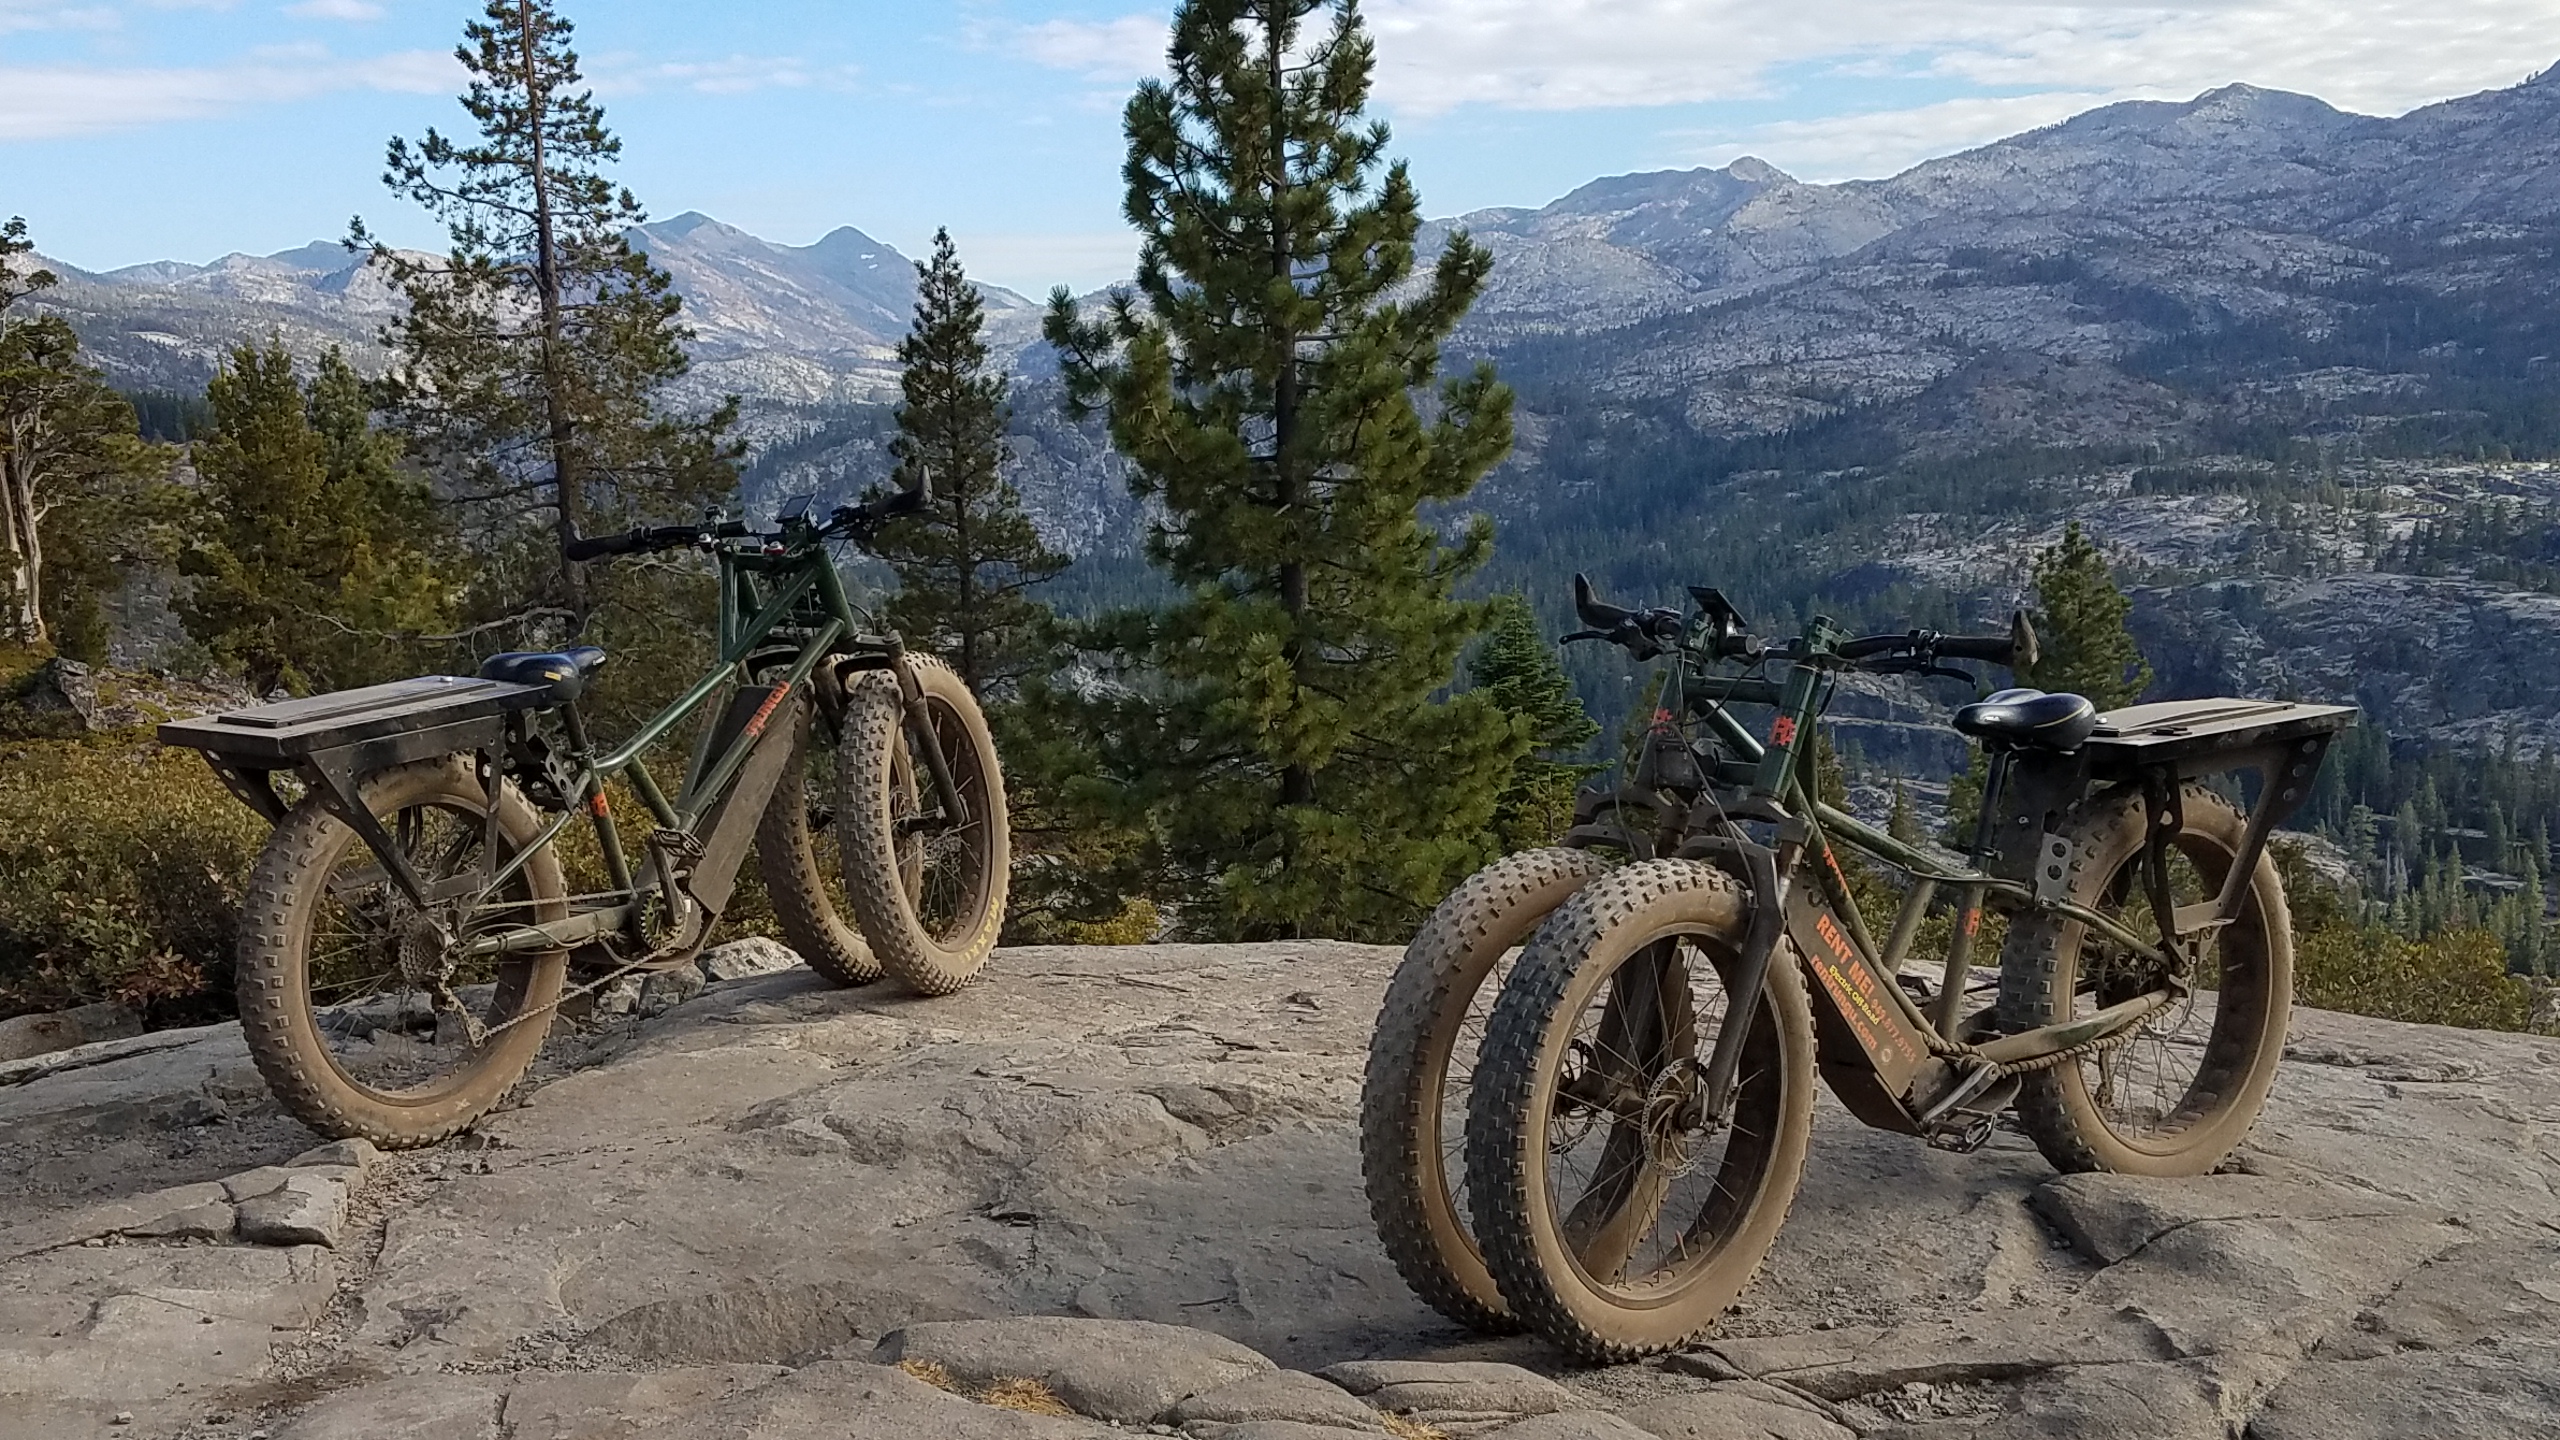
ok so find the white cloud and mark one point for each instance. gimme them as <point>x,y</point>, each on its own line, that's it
<point>1843,147</point>
<point>1123,49</point>
<point>1030,264</point>
<point>37,102</point>
<point>624,74</point>
<point>337,10</point>
<point>2378,56</point>
<point>46,15</point>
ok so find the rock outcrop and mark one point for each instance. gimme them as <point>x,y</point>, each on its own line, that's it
<point>1118,1188</point>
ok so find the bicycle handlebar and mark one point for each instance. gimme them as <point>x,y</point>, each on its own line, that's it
<point>855,520</point>
<point>651,538</point>
<point>1646,633</point>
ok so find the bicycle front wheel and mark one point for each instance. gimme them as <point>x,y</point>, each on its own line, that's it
<point>1618,1217</point>
<point>363,1009</point>
<point>927,887</point>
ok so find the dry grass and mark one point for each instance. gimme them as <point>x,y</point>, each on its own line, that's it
<point>931,1374</point>
<point>1405,1427</point>
<point>1031,1397</point>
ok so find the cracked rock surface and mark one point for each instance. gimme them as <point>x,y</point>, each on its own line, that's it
<point>1119,1187</point>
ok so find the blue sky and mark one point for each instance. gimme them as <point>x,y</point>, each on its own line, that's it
<point>135,130</point>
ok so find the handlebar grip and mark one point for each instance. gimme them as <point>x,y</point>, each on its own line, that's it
<point>1595,613</point>
<point>596,547</point>
<point>1860,649</point>
<point>2017,649</point>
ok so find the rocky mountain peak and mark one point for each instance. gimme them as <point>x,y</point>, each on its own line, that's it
<point>321,257</point>
<point>1752,170</point>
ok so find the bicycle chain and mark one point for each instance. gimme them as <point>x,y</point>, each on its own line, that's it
<point>1940,1047</point>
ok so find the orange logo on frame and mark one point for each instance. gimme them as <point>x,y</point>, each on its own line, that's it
<point>764,712</point>
<point>1783,733</point>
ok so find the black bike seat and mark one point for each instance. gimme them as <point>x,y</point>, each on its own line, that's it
<point>563,672</point>
<point>2030,720</point>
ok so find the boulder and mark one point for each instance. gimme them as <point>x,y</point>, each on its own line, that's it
<point>308,1208</point>
<point>1288,1395</point>
<point>411,1407</point>
<point>1429,1388</point>
<point>1131,1371</point>
<point>31,1035</point>
<point>1571,1425</point>
<point>1734,1412</point>
<point>744,959</point>
<point>842,1400</point>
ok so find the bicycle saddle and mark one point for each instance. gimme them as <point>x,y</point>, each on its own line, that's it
<point>2029,720</point>
<point>564,673</point>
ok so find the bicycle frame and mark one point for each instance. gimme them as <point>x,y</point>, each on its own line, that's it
<point>791,589</point>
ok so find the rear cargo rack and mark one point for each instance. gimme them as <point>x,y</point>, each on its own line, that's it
<point>333,740</point>
<point>2186,733</point>
<point>2158,747</point>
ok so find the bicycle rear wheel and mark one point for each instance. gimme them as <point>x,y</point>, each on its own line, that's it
<point>1617,1218</point>
<point>2180,1093</point>
<point>361,1008</point>
<point>800,855</point>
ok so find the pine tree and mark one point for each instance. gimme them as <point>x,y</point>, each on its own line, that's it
<point>71,472</point>
<point>2526,949</point>
<point>1516,667</point>
<point>18,279</point>
<point>965,563</point>
<point>534,357</point>
<point>1902,822</point>
<point>1260,380</point>
<point>315,548</point>
<point>2080,627</point>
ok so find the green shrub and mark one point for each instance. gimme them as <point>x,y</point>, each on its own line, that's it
<point>2457,978</point>
<point>124,864</point>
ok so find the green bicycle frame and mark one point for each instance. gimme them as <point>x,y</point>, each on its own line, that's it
<point>1783,779</point>
<point>762,594</point>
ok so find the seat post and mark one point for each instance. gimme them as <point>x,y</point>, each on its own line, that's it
<point>1989,818</point>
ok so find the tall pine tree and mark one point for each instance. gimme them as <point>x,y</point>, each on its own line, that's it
<point>2085,650</point>
<point>533,358</point>
<point>1282,730</point>
<point>73,477</point>
<point>1516,668</point>
<point>2080,627</point>
<point>964,563</point>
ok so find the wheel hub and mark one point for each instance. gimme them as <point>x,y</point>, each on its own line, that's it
<point>1673,1115</point>
<point>421,950</point>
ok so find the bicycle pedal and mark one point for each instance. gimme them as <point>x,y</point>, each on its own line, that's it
<point>1966,1138</point>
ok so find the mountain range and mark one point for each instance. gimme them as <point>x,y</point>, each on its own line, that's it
<point>1754,301</point>
<point>1864,397</point>
<point>789,324</point>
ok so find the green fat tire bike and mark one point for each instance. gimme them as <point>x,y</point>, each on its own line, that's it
<point>1590,1090</point>
<point>410,928</point>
